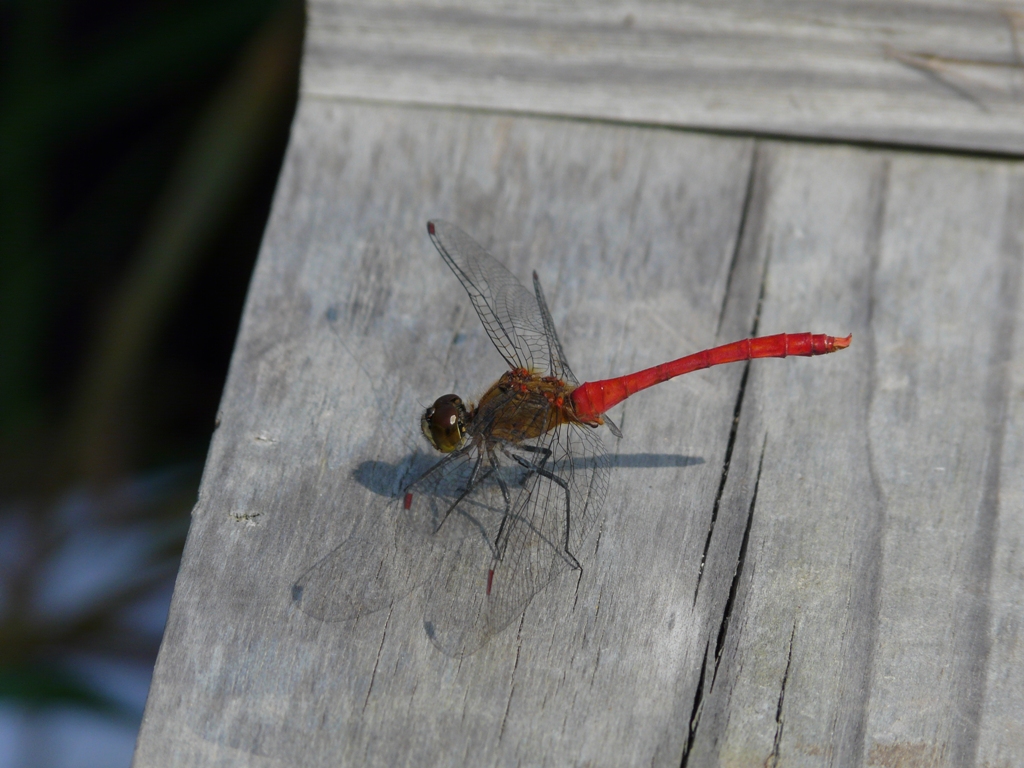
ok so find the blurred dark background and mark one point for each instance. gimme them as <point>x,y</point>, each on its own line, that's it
<point>140,143</point>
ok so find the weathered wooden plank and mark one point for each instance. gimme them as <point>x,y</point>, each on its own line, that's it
<point>739,616</point>
<point>913,72</point>
<point>790,677</point>
<point>895,534</point>
<point>936,423</point>
<point>1001,740</point>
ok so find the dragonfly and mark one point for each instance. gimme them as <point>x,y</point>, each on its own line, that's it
<point>526,463</point>
<point>524,472</point>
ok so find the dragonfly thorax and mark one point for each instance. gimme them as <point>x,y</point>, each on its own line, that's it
<point>444,423</point>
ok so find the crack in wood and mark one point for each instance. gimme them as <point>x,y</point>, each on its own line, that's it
<point>773,760</point>
<point>741,559</point>
<point>696,709</point>
<point>936,69</point>
<point>376,662</point>
<point>512,686</point>
<point>732,435</point>
<point>748,195</point>
<point>723,627</point>
<point>948,70</point>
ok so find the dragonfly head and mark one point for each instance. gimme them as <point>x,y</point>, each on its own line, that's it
<point>444,423</point>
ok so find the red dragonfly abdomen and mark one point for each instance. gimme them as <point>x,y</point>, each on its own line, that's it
<point>596,397</point>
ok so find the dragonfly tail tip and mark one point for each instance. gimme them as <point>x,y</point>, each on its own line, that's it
<point>842,342</point>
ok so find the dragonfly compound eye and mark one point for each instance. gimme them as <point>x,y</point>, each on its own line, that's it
<point>444,423</point>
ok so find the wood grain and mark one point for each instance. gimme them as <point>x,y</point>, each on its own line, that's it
<point>913,72</point>
<point>807,561</point>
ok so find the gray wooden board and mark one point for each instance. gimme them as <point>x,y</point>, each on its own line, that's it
<point>913,72</point>
<point>860,601</point>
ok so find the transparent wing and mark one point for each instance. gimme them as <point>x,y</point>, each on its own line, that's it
<point>360,576</point>
<point>368,571</point>
<point>509,312</point>
<point>559,365</point>
<point>365,572</point>
<point>519,324</point>
<point>484,583</point>
<point>371,569</point>
<point>455,498</point>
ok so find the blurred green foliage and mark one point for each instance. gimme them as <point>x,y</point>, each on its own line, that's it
<point>139,147</point>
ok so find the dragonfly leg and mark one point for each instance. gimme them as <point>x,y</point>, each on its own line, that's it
<point>470,484</point>
<point>536,449</point>
<point>508,506</point>
<point>539,469</point>
<point>565,487</point>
